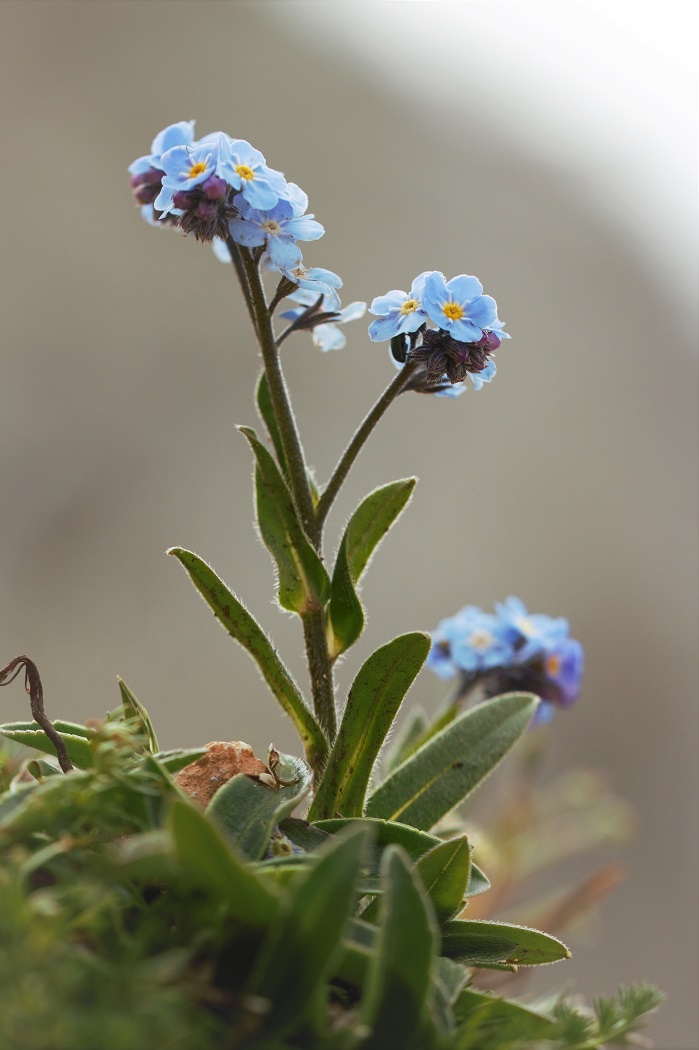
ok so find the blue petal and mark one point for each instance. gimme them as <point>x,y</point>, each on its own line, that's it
<point>385,328</point>
<point>304,228</point>
<point>284,252</point>
<point>392,300</point>
<point>463,330</point>
<point>180,134</point>
<point>463,288</point>
<point>483,311</point>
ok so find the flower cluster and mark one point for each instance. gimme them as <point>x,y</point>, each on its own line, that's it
<point>458,328</point>
<point>510,650</point>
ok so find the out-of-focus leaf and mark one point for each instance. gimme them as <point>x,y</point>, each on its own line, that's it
<point>487,1022</point>
<point>306,940</point>
<point>136,711</point>
<point>247,810</point>
<point>366,528</point>
<point>472,941</point>
<point>211,863</point>
<point>374,699</point>
<point>30,734</point>
<point>239,623</point>
<point>478,882</point>
<point>398,983</point>
<point>302,580</point>
<point>445,770</point>
<point>175,760</point>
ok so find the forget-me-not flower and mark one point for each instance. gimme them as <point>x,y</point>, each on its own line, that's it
<point>531,633</point>
<point>458,306</point>
<point>245,169</point>
<point>277,228</point>
<point>398,312</point>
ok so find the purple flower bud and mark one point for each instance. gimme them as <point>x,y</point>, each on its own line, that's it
<point>185,200</point>
<point>146,185</point>
<point>489,341</point>
<point>215,189</point>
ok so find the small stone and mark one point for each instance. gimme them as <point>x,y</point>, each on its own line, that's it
<point>202,779</point>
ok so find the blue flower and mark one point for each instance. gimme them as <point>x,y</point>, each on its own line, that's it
<point>314,279</point>
<point>530,633</point>
<point>147,172</point>
<point>459,306</point>
<point>564,663</point>
<point>277,228</point>
<point>244,168</point>
<point>398,312</point>
<point>326,334</point>
<point>187,167</point>
<point>471,641</point>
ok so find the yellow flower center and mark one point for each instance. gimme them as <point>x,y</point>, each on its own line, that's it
<point>453,311</point>
<point>553,665</point>
<point>526,625</point>
<point>245,172</point>
<point>272,227</point>
<point>197,169</point>
<point>409,306</point>
<point>481,639</point>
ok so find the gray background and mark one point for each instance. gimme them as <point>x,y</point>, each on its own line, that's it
<point>126,362</point>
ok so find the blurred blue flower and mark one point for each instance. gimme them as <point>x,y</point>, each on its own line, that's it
<point>147,172</point>
<point>530,633</point>
<point>471,640</point>
<point>398,312</point>
<point>563,666</point>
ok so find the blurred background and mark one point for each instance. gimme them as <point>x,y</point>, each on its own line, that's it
<point>549,149</point>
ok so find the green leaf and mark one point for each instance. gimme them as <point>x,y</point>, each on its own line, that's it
<point>399,979</point>
<point>384,833</point>
<point>492,1023</point>
<point>472,941</point>
<point>211,863</point>
<point>247,810</point>
<point>412,729</point>
<point>236,619</point>
<point>303,583</point>
<point>445,872</point>
<point>478,882</point>
<point>366,528</point>
<point>30,734</point>
<point>306,941</point>
<point>445,770</point>
<point>136,711</point>
<point>376,694</point>
<point>264,407</point>
<point>175,760</point>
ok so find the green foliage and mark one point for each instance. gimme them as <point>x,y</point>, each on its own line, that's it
<point>367,527</point>
<point>246,927</point>
<point>373,702</point>
<point>241,625</point>
<point>302,580</point>
<point>445,770</point>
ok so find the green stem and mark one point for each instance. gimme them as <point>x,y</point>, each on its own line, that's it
<point>319,664</point>
<point>320,671</point>
<point>279,394</point>
<point>240,273</point>
<point>355,446</point>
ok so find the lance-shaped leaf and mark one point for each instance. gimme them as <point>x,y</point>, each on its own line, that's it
<point>404,740</point>
<point>302,580</point>
<point>247,810</point>
<point>135,710</point>
<point>366,528</point>
<point>445,770</point>
<point>264,407</point>
<point>445,873</point>
<point>399,979</point>
<point>239,623</point>
<point>298,956</point>
<point>211,863</point>
<point>492,1022</point>
<point>376,694</point>
<point>30,734</point>
<point>472,941</point>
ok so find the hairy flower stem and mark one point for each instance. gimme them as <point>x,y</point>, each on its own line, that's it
<point>319,664</point>
<point>355,446</point>
<point>281,404</point>
<point>320,671</point>
<point>242,277</point>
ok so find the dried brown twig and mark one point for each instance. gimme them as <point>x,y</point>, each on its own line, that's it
<point>32,684</point>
